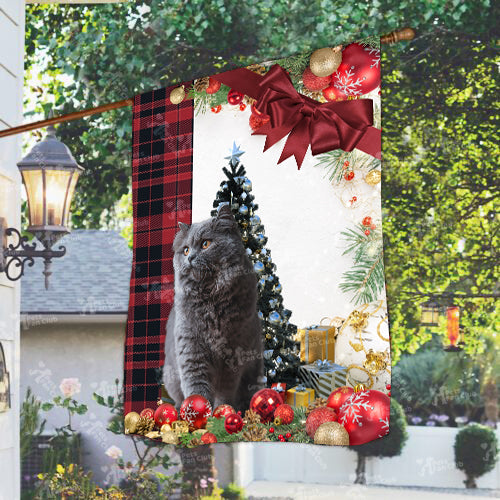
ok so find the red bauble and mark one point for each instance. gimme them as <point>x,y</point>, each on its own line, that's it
<point>165,414</point>
<point>195,410</point>
<point>367,232</point>
<point>234,97</point>
<point>213,86</point>
<point>317,417</point>
<point>222,411</point>
<point>332,93</point>
<point>285,413</point>
<point>243,106</point>
<point>148,413</point>
<point>264,402</point>
<point>365,416</point>
<point>233,423</point>
<point>349,176</point>
<point>338,397</point>
<point>208,438</point>
<point>313,82</point>
<point>359,72</point>
<point>257,121</point>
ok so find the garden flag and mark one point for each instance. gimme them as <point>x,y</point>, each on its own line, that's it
<point>257,297</point>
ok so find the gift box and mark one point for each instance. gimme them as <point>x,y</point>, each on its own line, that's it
<point>299,396</point>
<point>323,376</point>
<point>317,342</point>
<point>279,387</point>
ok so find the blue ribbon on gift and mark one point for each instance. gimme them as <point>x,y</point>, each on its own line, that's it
<point>323,365</point>
<point>300,388</point>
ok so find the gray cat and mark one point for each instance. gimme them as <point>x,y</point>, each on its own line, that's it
<point>214,336</point>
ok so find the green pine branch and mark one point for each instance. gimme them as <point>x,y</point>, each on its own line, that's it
<point>203,102</point>
<point>366,278</point>
<point>295,65</point>
<point>372,41</point>
<point>334,161</point>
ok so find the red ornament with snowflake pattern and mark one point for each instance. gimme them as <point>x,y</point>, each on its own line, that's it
<point>338,397</point>
<point>365,416</point>
<point>195,410</point>
<point>222,411</point>
<point>359,72</point>
<point>165,414</point>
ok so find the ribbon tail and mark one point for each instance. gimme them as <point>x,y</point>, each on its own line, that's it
<point>297,143</point>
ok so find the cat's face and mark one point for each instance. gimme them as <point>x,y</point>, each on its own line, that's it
<point>204,249</point>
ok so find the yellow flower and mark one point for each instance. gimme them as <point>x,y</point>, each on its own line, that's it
<point>70,468</point>
<point>40,476</point>
<point>60,469</point>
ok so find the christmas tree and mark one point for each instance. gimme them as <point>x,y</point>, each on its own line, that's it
<point>281,359</point>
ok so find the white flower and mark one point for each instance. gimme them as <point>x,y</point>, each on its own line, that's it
<point>114,452</point>
<point>70,386</point>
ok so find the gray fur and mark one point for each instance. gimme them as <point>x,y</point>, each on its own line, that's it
<point>214,336</point>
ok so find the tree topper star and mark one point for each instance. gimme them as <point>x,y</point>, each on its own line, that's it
<point>234,154</point>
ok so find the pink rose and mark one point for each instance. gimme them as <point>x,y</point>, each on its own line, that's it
<point>70,386</point>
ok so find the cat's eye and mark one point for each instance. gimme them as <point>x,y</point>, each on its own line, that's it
<point>205,244</point>
<point>186,250</point>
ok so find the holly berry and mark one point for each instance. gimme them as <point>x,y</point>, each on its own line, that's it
<point>280,437</point>
<point>354,198</point>
<point>213,86</point>
<point>216,109</point>
<point>346,163</point>
<point>389,393</point>
<point>349,176</point>
<point>367,221</point>
<point>271,430</point>
<point>388,387</point>
<point>243,106</point>
<point>288,435</point>
<point>367,232</point>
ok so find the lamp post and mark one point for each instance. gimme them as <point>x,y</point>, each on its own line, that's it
<point>50,173</point>
<point>453,328</point>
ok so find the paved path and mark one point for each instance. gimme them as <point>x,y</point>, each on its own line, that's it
<point>278,490</point>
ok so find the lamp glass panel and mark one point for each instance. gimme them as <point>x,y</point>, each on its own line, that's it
<point>71,192</point>
<point>34,190</point>
<point>55,193</point>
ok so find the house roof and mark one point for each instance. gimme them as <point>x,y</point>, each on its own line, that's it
<point>92,278</point>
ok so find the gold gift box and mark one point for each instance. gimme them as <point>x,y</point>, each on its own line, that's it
<point>299,396</point>
<point>317,342</point>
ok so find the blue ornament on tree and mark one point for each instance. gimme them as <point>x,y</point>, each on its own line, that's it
<point>275,318</point>
<point>255,220</point>
<point>247,185</point>
<point>258,267</point>
<point>243,210</point>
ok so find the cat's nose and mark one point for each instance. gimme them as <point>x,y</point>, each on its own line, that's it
<point>191,256</point>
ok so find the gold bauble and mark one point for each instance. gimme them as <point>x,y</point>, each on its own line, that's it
<point>199,432</point>
<point>373,177</point>
<point>153,435</point>
<point>331,433</point>
<point>131,419</point>
<point>170,437</point>
<point>277,421</point>
<point>165,428</point>
<point>180,426</point>
<point>325,61</point>
<point>177,95</point>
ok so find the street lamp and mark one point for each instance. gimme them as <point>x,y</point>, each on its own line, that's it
<point>429,315</point>
<point>453,328</point>
<point>50,173</point>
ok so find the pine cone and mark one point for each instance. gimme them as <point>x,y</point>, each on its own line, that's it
<point>257,68</point>
<point>195,442</point>
<point>251,417</point>
<point>201,84</point>
<point>255,432</point>
<point>144,425</point>
<point>317,403</point>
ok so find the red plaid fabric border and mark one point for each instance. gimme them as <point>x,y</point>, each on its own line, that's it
<point>162,172</point>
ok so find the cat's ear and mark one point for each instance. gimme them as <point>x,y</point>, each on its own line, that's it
<point>183,227</point>
<point>224,213</point>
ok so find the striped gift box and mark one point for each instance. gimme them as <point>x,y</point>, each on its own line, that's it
<point>323,376</point>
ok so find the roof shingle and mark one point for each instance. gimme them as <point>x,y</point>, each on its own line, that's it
<point>92,278</point>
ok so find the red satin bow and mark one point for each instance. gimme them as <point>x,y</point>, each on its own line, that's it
<point>324,126</point>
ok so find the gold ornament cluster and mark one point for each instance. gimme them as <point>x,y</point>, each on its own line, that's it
<point>177,95</point>
<point>332,434</point>
<point>324,62</point>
